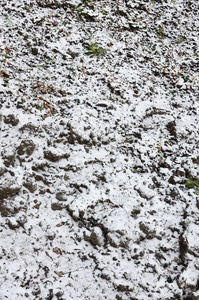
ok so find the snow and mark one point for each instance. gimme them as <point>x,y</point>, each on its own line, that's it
<point>96,150</point>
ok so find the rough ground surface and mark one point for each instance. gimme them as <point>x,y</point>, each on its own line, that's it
<point>99,134</point>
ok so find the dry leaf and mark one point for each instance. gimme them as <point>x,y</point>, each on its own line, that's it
<point>57,250</point>
<point>48,255</point>
<point>59,273</point>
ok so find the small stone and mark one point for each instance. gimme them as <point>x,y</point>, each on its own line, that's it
<point>35,51</point>
<point>11,119</point>
<point>2,171</point>
<point>50,295</point>
<point>51,235</point>
<point>26,147</point>
<point>5,74</point>
<point>8,189</point>
<point>135,212</point>
<point>54,157</point>
<point>59,292</point>
<point>95,237</point>
<point>172,180</point>
<point>196,160</point>
<point>61,196</point>
<point>56,206</point>
<point>197,204</point>
<point>9,160</point>
<point>150,234</point>
<point>13,224</point>
<point>171,127</point>
<point>145,192</point>
<point>36,290</point>
<point>30,185</point>
<point>113,239</point>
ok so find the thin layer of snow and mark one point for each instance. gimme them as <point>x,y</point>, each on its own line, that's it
<point>96,150</point>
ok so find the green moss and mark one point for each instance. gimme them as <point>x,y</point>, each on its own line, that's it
<point>95,50</point>
<point>192,183</point>
<point>180,40</point>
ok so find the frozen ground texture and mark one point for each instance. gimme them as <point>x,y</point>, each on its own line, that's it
<point>99,134</point>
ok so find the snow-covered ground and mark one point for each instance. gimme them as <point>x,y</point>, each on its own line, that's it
<point>99,165</point>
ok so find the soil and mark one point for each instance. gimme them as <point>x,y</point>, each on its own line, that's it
<point>99,164</point>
